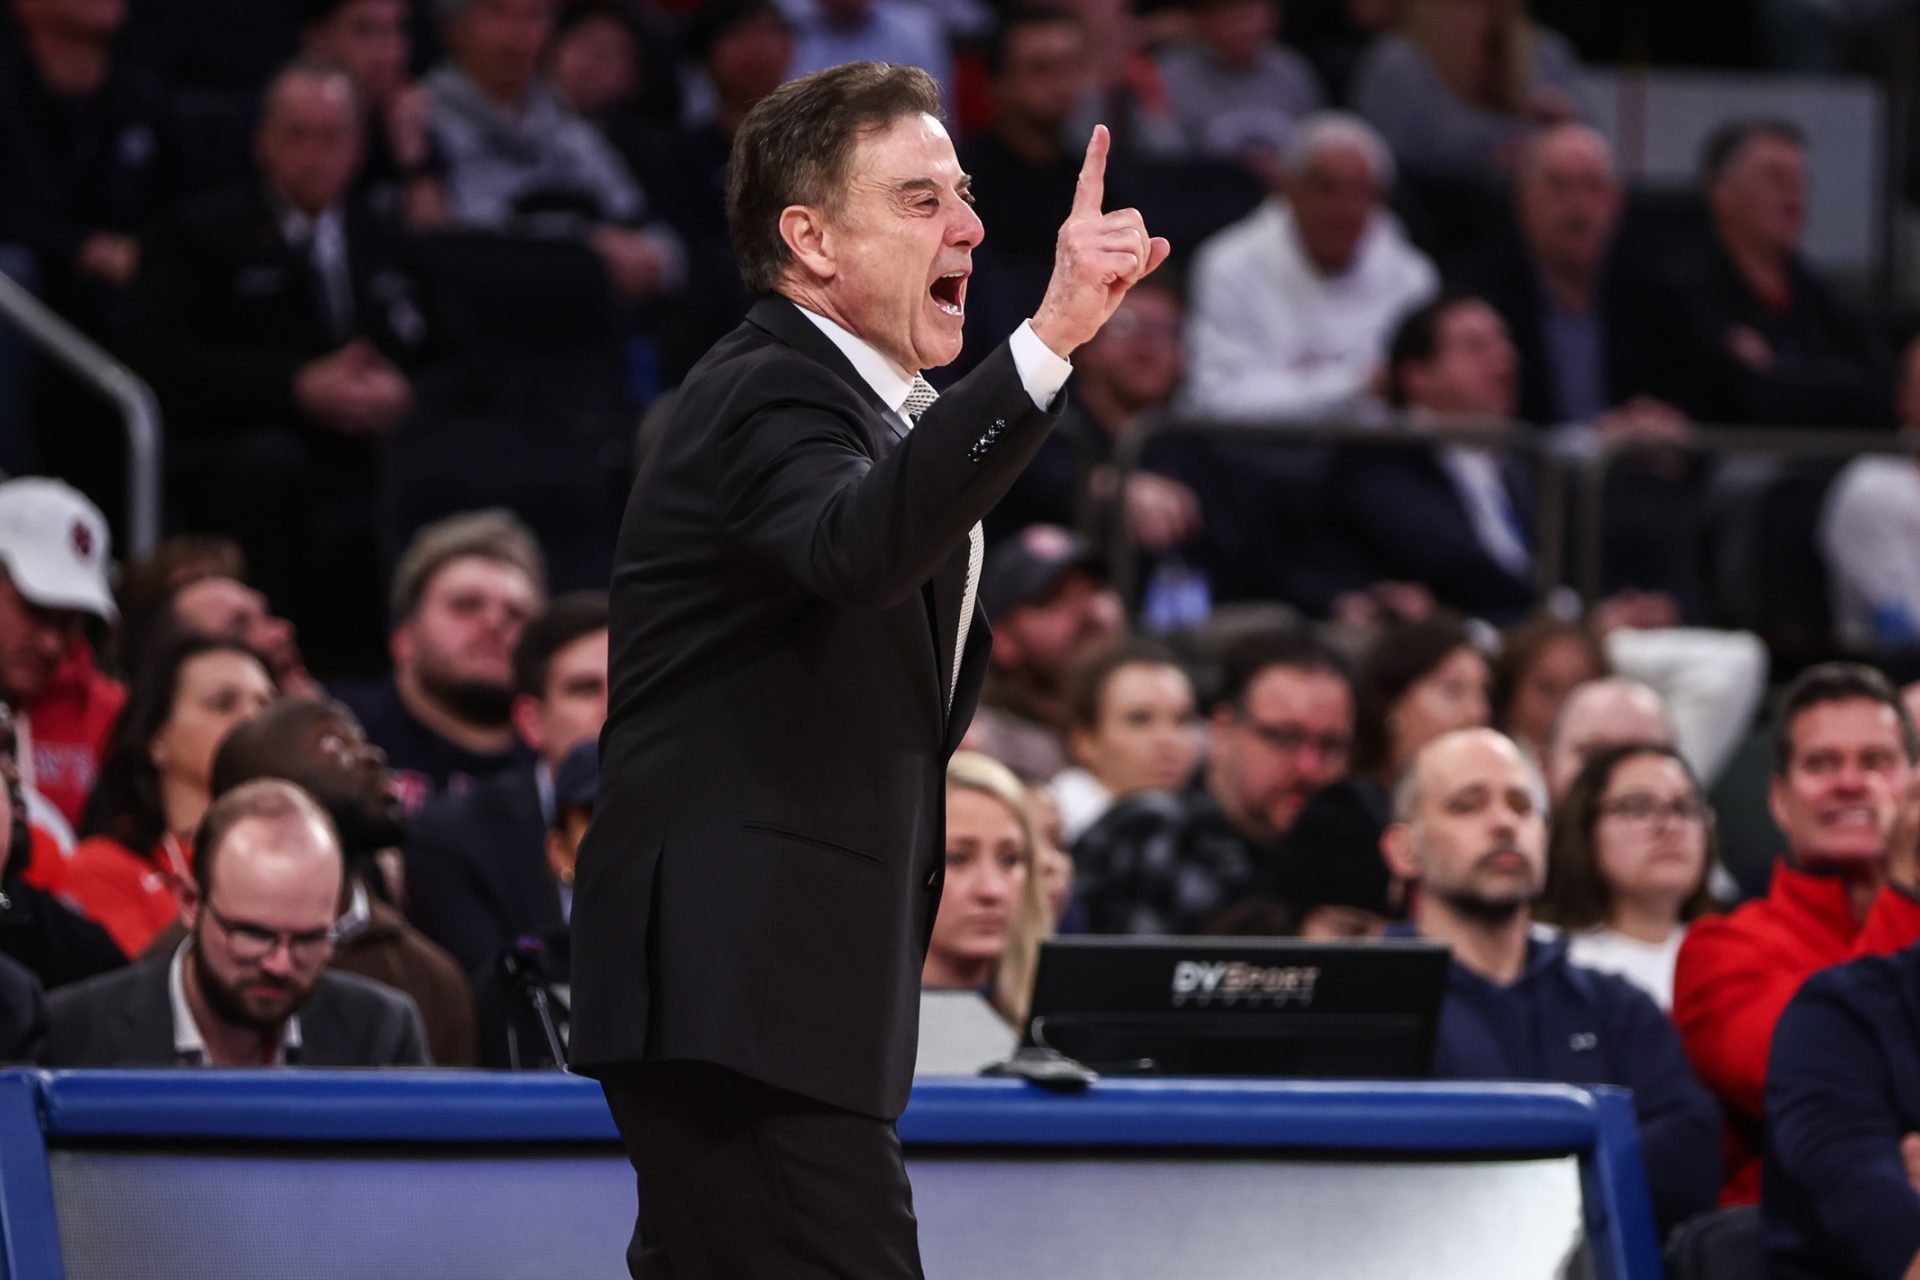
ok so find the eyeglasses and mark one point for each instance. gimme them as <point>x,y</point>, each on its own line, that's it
<point>1289,739</point>
<point>1643,810</point>
<point>248,943</point>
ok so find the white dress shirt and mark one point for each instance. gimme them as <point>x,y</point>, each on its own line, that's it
<point>1041,372</point>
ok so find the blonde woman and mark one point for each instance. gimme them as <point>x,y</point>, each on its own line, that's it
<point>993,910</point>
<point>1456,90</point>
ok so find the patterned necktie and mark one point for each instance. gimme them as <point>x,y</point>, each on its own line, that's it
<point>919,396</point>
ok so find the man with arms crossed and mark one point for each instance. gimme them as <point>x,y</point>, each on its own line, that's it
<point>796,650</point>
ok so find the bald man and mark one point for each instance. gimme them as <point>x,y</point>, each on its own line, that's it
<point>1470,829</point>
<point>1602,713</point>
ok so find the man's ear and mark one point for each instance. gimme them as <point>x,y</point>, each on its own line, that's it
<point>809,237</point>
<point>525,713</point>
<point>189,890</point>
<point>1777,801</point>
<point>1396,846</point>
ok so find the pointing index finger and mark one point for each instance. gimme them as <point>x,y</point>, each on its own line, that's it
<point>1091,190</point>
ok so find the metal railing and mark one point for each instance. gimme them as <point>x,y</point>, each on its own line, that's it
<point>1510,436</point>
<point>119,385</point>
<point>1561,471</point>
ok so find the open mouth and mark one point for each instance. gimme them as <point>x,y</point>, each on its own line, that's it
<point>950,293</point>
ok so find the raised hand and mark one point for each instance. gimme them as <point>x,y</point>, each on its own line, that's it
<point>1098,257</point>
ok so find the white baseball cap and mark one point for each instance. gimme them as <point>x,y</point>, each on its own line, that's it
<point>53,543</point>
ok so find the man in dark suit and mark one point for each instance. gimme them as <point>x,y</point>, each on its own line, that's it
<point>796,651</point>
<point>1456,520</point>
<point>250,985</point>
<point>477,873</point>
<point>281,323</point>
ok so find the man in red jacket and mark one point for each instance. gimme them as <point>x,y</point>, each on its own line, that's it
<point>1844,792</point>
<point>53,576</point>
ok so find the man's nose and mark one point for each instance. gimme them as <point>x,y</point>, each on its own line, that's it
<point>967,229</point>
<point>279,961</point>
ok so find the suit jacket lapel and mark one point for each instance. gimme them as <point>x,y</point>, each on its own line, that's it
<point>148,1022</point>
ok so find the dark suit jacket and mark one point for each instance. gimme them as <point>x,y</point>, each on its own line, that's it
<point>477,876</point>
<point>23,1015</point>
<point>764,862</point>
<point>125,1019</point>
<point>1642,335</point>
<point>1408,523</point>
<point>228,311</point>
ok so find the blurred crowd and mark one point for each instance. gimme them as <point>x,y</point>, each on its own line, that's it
<point>414,283</point>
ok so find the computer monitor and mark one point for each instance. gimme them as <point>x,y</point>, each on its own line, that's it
<point>1242,1007</point>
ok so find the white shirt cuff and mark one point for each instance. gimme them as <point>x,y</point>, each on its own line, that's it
<point>1042,373</point>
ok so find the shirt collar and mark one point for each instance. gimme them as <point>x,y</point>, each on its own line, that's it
<point>302,229</point>
<point>188,1044</point>
<point>889,381</point>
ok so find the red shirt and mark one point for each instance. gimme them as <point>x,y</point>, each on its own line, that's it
<point>1738,972</point>
<point>132,897</point>
<point>70,721</point>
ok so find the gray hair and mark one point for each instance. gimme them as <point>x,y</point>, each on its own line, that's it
<point>1325,131</point>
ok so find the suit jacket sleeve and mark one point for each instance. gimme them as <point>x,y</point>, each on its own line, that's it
<point>805,496</point>
<point>23,1015</point>
<point>1834,1136</point>
<point>403,1038</point>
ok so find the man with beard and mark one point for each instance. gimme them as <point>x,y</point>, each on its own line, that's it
<point>1283,729</point>
<point>319,747</point>
<point>250,984</point>
<point>1045,592</point>
<point>1470,829</point>
<point>462,592</point>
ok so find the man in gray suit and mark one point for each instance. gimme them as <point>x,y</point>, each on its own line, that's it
<point>250,985</point>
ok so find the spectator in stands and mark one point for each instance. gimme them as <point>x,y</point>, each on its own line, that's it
<point>1024,166</point>
<point>1841,1195</point>
<point>88,156</point>
<point>993,908</point>
<point>38,930</point>
<point>1126,92</point>
<point>137,845</point>
<point>1457,89</point>
<point>1595,332</point>
<point>519,159</point>
<point>1541,662</point>
<point>53,577</point>
<point>217,605</point>
<point>1457,519</point>
<point>250,985</point>
<point>319,748</point>
<point>521,997</point>
<point>1131,367</point>
<point>745,47</point>
<point>1849,885</point>
<point>1132,726</point>
<point>23,1015</point>
<point>401,169</point>
<point>1292,305</point>
<point>283,324</point>
<point>1773,343</point>
<point>464,589</point>
<point>1046,594</point>
<point>1600,714</point>
<point>1417,681</point>
<point>1869,536</point>
<point>1051,858</point>
<point>1282,730</point>
<point>1236,91</point>
<point>1628,864</point>
<point>830,32</point>
<point>477,873</point>
<point>1469,828</point>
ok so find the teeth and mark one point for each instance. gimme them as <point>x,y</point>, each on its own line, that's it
<point>948,307</point>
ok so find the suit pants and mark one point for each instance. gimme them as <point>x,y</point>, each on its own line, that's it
<point>739,1180</point>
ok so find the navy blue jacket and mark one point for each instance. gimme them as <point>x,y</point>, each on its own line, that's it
<point>1843,1087</point>
<point>1571,1025</point>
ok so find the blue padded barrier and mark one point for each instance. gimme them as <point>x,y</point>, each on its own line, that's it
<point>42,1114</point>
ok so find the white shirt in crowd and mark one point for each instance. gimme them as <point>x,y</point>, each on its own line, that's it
<point>1081,800</point>
<point>1647,965</point>
<point>1869,535</point>
<point>1268,336</point>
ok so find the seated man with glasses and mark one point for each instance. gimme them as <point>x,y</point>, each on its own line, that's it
<point>250,985</point>
<point>1167,863</point>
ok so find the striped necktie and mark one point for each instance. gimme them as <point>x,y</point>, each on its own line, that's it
<point>919,396</point>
